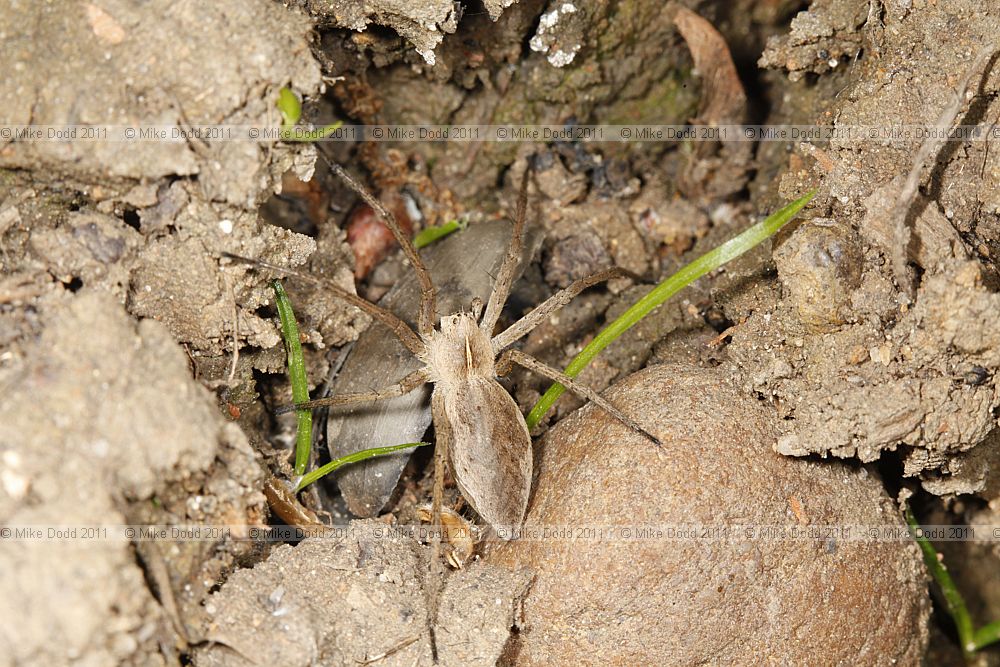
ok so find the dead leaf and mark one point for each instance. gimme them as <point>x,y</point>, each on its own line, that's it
<point>723,99</point>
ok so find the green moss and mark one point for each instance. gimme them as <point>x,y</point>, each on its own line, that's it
<point>671,100</point>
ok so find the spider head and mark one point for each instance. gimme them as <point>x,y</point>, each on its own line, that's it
<point>459,350</point>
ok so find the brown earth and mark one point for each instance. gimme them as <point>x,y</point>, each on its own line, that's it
<point>119,317</point>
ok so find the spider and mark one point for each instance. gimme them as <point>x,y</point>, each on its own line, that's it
<point>478,425</point>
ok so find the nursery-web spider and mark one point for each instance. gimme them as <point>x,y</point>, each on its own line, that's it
<point>479,427</point>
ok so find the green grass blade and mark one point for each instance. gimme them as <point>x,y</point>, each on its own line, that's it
<point>297,376</point>
<point>953,601</point>
<point>306,480</point>
<point>290,109</point>
<point>429,235</point>
<point>300,394</point>
<point>666,289</point>
<point>986,635</point>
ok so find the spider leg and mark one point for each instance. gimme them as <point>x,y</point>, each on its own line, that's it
<point>505,279</point>
<point>406,335</point>
<point>404,386</point>
<point>523,326</point>
<point>435,573</point>
<point>428,296</point>
<point>532,364</point>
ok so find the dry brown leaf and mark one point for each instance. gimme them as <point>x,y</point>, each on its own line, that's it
<point>723,99</point>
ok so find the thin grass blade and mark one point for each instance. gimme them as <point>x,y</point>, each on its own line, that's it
<point>320,472</point>
<point>666,289</point>
<point>297,376</point>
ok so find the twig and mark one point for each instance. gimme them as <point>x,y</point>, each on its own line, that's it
<point>721,338</point>
<point>385,654</point>
<point>931,145</point>
<point>236,330</point>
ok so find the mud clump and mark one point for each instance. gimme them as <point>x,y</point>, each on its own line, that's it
<point>894,367</point>
<point>423,23</point>
<point>929,382</point>
<point>128,219</point>
<point>820,266</point>
<point>81,404</point>
<point>819,38</point>
<point>91,65</point>
<point>706,601</point>
<point>337,601</point>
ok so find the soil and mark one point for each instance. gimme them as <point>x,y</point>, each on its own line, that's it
<point>120,316</point>
<point>369,600</point>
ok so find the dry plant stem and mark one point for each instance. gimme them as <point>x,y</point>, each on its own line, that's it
<point>282,501</point>
<point>526,324</point>
<point>582,390</point>
<point>505,279</point>
<point>236,331</point>
<point>406,335</point>
<point>385,654</point>
<point>155,565</point>
<point>930,147</point>
<point>428,298</point>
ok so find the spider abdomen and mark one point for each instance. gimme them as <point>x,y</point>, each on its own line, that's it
<point>490,450</point>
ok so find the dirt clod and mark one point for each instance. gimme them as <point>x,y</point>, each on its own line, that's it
<point>820,266</point>
<point>344,601</point>
<point>820,37</point>
<point>81,404</point>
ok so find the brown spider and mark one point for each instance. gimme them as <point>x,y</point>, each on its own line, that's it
<point>478,424</point>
